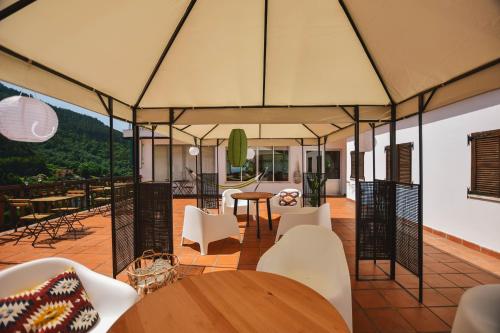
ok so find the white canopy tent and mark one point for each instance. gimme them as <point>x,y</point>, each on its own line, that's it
<point>283,69</point>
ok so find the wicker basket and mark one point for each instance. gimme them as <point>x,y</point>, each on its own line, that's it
<point>152,270</point>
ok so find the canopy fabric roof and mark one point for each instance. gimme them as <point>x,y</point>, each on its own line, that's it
<point>285,64</point>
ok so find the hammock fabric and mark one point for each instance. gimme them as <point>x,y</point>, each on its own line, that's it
<point>235,186</point>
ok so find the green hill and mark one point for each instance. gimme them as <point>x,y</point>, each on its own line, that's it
<point>79,149</point>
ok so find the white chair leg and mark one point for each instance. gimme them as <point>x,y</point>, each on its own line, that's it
<point>182,240</point>
<point>203,248</point>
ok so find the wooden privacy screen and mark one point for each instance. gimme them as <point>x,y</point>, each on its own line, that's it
<point>485,163</point>
<point>361,165</point>
<point>403,172</point>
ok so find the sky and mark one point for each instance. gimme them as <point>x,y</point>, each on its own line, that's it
<point>117,124</point>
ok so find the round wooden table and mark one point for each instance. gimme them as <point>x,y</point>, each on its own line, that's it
<point>232,301</point>
<point>254,196</point>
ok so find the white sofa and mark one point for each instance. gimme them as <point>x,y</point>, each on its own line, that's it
<point>479,310</point>
<point>204,228</point>
<point>306,215</point>
<point>315,257</point>
<point>276,208</point>
<point>110,297</point>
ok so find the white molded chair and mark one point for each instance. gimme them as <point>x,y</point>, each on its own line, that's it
<point>315,257</point>
<point>275,202</point>
<point>110,297</point>
<point>306,215</point>
<point>479,310</point>
<point>228,203</point>
<point>204,228</point>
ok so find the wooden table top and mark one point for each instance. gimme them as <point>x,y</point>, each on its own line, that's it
<point>232,301</point>
<point>52,198</point>
<point>252,195</point>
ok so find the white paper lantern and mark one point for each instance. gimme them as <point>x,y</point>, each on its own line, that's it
<point>250,153</point>
<point>194,151</point>
<point>27,119</point>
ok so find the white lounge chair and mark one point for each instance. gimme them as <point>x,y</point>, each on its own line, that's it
<point>278,209</point>
<point>109,297</point>
<point>228,203</point>
<point>204,228</point>
<point>315,257</point>
<point>478,310</point>
<point>305,215</point>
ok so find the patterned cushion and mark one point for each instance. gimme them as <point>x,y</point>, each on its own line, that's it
<point>60,304</point>
<point>288,198</point>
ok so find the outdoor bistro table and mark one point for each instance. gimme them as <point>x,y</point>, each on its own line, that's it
<point>232,301</point>
<point>254,196</point>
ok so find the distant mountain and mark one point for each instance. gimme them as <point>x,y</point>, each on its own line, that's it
<point>79,149</point>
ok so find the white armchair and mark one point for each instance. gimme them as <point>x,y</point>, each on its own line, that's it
<point>315,257</point>
<point>228,203</point>
<point>204,228</point>
<point>278,209</point>
<point>478,310</point>
<point>306,215</point>
<point>110,297</point>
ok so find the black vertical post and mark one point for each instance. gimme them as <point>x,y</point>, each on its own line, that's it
<point>420,199</point>
<point>135,153</point>
<point>196,172</point>
<point>393,173</point>
<point>217,171</point>
<point>357,187</point>
<point>303,174</point>
<point>153,153</point>
<point>171,181</point>
<point>375,235</point>
<point>318,172</point>
<point>201,174</point>
<point>112,183</point>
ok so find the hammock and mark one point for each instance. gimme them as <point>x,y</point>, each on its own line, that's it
<point>235,186</point>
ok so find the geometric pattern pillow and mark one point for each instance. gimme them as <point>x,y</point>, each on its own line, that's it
<point>288,198</point>
<point>60,304</point>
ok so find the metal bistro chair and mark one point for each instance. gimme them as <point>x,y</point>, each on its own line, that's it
<point>34,223</point>
<point>100,200</point>
<point>67,216</point>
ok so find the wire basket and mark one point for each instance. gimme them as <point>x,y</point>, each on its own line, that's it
<point>152,270</point>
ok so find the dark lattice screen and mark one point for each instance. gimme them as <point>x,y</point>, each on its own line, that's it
<point>374,239</point>
<point>123,227</point>
<point>209,193</point>
<point>155,219</point>
<point>407,222</point>
<point>314,189</point>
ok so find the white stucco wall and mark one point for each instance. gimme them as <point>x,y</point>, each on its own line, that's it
<point>447,167</point>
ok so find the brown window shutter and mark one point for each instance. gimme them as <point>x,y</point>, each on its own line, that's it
<point>388,163</point>
<point>485,162</point>
<point>404,163</point>
<point>361,165</point>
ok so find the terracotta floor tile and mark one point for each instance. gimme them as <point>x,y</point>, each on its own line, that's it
<point>453,294</point>
<point>386,284</point>
<point>400,298</point>
<point>361,323</point>
<point>433,298</point>
<point>461,280</point>
<point>389,320</point>
<point>463,267</point>
<point>423,320</point>
<point>484,278</point>
<point>437,281</point>
<point>436,267</point>
<point>368,299</point>
<point>446,314</point>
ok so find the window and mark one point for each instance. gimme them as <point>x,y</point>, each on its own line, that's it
<point>485,163</point>
<point>332,164</point>
<point>273,160</point>
<point>361,165</point>
<point>312,160</point>
<point>403,172</point>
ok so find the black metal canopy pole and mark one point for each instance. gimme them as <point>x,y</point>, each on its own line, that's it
<point>393,169</point>
<point>375,234</point>
<point>202,204</point>
<point>217,168</point>
<point>357,187</point>
<point>318,171</point>
<point>421,107</point>
<point>112,182</point>
<point>135,154</point>
<point>170,175</point>
<point>153,152</point>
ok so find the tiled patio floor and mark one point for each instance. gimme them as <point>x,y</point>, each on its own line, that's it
<point>378,306</point>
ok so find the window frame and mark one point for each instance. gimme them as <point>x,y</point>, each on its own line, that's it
<point>472,191</point>
<point>387,150</point>
<point>257,164</point>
